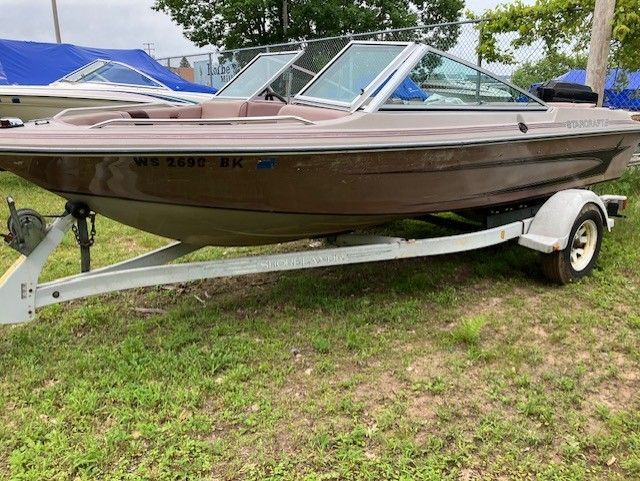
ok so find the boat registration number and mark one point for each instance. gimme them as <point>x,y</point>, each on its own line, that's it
<point>189,162</point>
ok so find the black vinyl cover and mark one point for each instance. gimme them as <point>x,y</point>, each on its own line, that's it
<point>556,91</point>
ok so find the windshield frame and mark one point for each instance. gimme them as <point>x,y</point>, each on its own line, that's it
<point>378,101</point>
<point>265,84</point>
<point>367,92</point>
<point>158,84</point>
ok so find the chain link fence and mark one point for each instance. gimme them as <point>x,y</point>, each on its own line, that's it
<point>216,68</point>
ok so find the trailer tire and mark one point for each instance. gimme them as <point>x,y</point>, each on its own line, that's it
<point>581,254</point>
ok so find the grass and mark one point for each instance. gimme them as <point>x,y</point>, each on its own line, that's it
<point>460,367</point>
<point>468,332</point>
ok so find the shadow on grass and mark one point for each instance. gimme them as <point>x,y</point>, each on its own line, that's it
<point>437,283</point>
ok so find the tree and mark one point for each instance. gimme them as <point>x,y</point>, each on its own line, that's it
<point>184,63</point>
<point>560,24</point>
<point>242,23</point>
<point>547,68</point>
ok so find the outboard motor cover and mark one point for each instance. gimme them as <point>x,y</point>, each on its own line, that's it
<point>556,91</point>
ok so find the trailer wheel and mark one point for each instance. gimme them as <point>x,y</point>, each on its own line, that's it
<point>581,254</point>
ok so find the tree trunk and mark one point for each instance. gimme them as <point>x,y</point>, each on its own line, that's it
<point>599,46</point>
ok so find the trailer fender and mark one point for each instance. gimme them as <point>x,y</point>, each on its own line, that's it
<point>550,228</point>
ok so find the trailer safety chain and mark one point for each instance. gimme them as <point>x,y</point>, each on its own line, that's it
<point>85,239</point>
<point>92,233</point>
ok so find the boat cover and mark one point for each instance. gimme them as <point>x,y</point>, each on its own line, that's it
<point>407,90</point>
<point>621,88</point>
<point>38,63</point>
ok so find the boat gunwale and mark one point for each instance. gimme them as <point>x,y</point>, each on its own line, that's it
<point>317,149</point>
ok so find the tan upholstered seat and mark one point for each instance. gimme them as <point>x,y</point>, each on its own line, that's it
<point>94,118</point>
<point>217,109</point>
<point>220,109</point>
<point>263,108</point>
<point>312,113</point>
<point>182,112</point>
<point>190,112</point>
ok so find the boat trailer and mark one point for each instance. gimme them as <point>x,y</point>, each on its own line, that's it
<point>567,227</point>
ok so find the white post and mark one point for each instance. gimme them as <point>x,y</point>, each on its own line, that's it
<point>601,29</point>
<point>56,23</point>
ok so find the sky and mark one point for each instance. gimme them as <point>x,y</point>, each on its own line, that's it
<point>109,24</point>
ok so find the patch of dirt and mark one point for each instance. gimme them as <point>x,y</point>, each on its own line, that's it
<point>487,306</point>
<point>424,407</point>
<point>532,299</point>
<point>621,393</point>
<point>376,391</point>
<point>287,438</point>
<point>468,475</point>
<point>428,366</point>
<point>538,331</point>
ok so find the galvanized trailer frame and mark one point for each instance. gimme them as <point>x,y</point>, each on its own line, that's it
<point>21,294</point>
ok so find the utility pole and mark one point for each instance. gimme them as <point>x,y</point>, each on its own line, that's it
<point>285,17</point>
<point>150,48</point>
<point>56,23</point>
<point>601,29</point>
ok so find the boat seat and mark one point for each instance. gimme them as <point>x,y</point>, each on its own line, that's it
<point>94,118</point>
<point>263,108</point>
<point>211,110</point>
<point>218,109</point>
<point>208,110</point>
<point>312,113</point>
<point>183,112</point>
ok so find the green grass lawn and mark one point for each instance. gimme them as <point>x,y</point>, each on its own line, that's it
<point>460,367</point>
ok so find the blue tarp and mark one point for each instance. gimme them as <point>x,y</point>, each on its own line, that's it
<point>409,90</point>
<point>621,88</point>
<point>36,63</point>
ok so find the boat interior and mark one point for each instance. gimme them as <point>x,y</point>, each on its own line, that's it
<point>364,76</point>
<point>225,109</point>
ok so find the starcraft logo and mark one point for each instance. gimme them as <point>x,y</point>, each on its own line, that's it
<point>587,123</point>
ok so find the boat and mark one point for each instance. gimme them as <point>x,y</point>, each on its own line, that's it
<point>99,83</point>
<point>346,152</point>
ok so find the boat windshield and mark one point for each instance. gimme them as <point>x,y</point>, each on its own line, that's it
<point>354,73</point>
<point>439,81</point>
<point>258,74</point>
<point>107,71</point>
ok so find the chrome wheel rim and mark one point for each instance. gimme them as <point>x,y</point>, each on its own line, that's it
<point>583,246</point>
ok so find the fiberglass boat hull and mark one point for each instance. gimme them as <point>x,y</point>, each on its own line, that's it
<point>249,199</point>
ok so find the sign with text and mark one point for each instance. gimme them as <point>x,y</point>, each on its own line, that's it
<point>216,76</point>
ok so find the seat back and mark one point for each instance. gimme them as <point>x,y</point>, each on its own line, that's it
<point>219,109</point>
<point>263,108</point>
<point>182,112</point>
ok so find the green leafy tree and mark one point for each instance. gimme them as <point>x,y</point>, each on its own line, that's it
<point>184,63</point>
<point>559,24</point>
<point>242,23</point>
<point>553,65</point>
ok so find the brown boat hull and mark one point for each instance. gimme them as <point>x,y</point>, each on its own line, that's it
<point>249,199</point>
